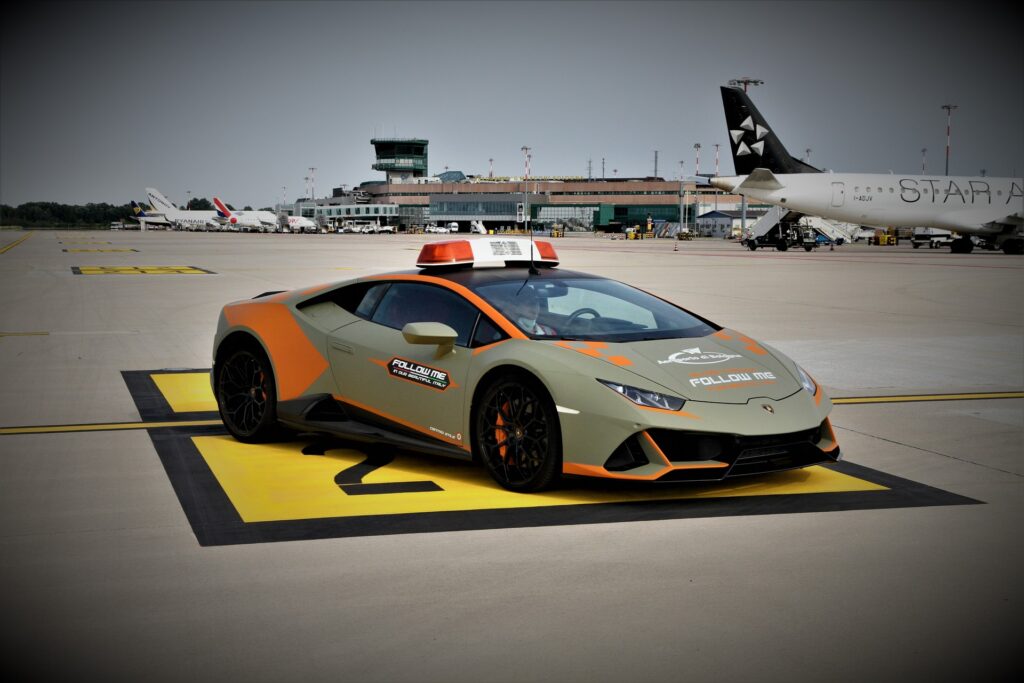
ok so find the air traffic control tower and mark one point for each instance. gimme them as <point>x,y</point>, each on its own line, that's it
<point>401,158</point>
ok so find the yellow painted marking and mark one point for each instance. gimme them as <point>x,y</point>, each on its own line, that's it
<point>97,251</point>
<point>115,426</point>
<point>141,270</point>
<point>84,242</point>
<point>277,482</point>
<point>186,392</point>
<point>23,334</point>
<point>12,245</point>
<point>929,397</point>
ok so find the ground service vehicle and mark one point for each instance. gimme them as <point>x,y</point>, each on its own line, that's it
<point>933,237</point>
<point>532,370</point>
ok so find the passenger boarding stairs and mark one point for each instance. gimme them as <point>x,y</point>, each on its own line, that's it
<point>768,221</point>
<point>779,214</point>
<point>831,229</point>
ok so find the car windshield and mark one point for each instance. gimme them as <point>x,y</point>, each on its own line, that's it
<point>590,309</point>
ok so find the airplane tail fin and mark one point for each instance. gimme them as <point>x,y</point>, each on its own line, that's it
<point>222,209</point>
<point>753,144</point>
<point>158,201</point>
<point>137,210</point>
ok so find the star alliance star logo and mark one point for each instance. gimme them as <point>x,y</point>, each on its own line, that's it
<point>759,132</point>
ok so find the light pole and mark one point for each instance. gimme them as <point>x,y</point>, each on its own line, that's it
<point>807,155</point>
<point>716,158</point>
<point>924,154</point>
<point>526,161</point>
<point>188,203</point>
<point>949,122</point>
<point>696,146</point>
<point>682,196</point>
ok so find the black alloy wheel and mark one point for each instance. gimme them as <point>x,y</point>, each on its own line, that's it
<point>517,435</point>
<point>247,396</point>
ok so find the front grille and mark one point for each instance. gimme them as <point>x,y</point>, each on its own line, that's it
<point>745,454</point>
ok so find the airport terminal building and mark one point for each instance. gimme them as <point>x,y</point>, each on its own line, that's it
<point>409,197</point>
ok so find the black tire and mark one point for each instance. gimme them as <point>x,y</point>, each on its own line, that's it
<point>753,245</point>
<point>964,245</point>
<point>516,434</point>
<point>782,245</point>
<point>1013,246</point>
<point>247,396</point>
<point>807,247</point>
<point>917,245</point>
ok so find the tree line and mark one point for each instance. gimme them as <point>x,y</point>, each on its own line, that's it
<point>52,214</point>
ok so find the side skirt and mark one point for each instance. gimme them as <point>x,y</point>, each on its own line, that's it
<point>322,414</point>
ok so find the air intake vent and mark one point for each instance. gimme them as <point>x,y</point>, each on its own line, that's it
<point>627,456</point>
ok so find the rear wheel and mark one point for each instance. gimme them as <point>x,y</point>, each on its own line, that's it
<point>517,435</point>
<point>753,245</point>
<point>1013,246</point>
<point>782,245</point>
<point>247,396</point>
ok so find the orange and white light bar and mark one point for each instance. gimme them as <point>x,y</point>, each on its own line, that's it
<point>486,251</point>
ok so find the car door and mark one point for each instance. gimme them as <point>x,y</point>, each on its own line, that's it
<point>378,372</point>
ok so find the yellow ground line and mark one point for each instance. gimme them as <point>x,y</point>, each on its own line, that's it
<point>12,245</point>
<point>24,334</point>
<point>929,397</point>
<point>56,429</point>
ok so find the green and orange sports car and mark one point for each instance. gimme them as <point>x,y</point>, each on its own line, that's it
<point>488,351</point>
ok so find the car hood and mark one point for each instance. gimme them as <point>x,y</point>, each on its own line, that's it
<point>726,367</point>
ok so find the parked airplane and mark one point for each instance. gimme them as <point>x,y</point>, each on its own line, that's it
<point>181,218</point>
<point>992,208</point>
<point>247,220</point>
<point>142,215</point>
<point>301,224</point>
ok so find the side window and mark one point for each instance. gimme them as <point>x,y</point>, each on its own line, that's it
<point>486,333</point>
<point>407,302</point>
<point>370,300</point>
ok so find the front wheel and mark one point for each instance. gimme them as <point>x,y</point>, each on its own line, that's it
<point>517,434</point>
<point>247,396</point>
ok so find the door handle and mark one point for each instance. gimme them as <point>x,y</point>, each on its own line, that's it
<point>341,347</point>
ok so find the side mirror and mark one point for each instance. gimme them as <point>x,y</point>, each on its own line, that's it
<point>431,333</point>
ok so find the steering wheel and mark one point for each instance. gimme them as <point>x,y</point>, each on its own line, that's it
<point>577,313</point>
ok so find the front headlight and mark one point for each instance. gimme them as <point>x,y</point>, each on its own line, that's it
<point>806,381</point>
<point>643,397</point>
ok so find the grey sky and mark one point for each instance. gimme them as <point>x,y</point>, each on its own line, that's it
<point>237,99</point>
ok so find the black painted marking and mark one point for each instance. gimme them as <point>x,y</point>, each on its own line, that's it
<point>150,401</point>
<point>215,521</point>
<point>396,487</point>
<point>350,480</point>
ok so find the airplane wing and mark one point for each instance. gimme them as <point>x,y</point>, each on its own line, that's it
<point>760,179</point>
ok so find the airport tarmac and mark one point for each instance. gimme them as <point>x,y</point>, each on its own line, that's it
<point>104,572</point>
